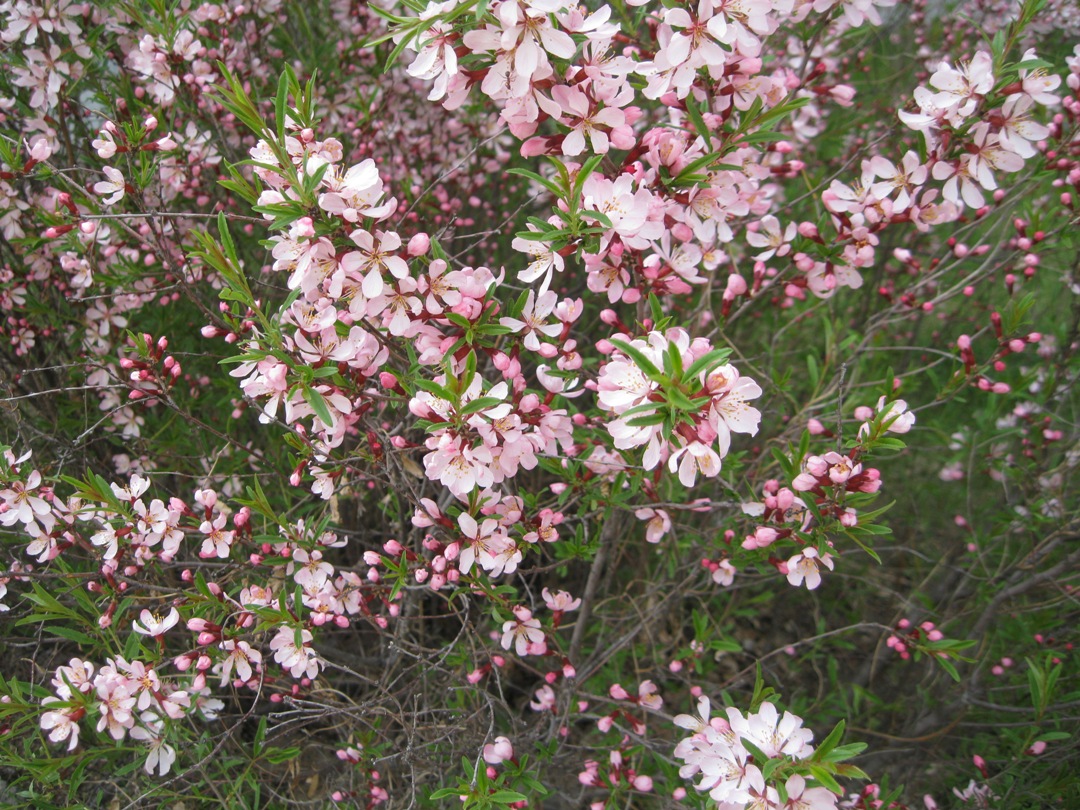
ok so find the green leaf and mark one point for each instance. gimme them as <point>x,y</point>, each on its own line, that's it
<point>459,320</point>
<point>446,793</point>
<point>698,121</point>
<point>644,363</point>
<point>399,48</point>
<point>707,362</point>
<point>830,742</point>
<point>863,545</point>
<point>318,404</point>
<point>434,389</point>
<point>70,634</point>
<point>674,364</point>
<point>842,752</point>
<point>825,779</point>
<point>507,797</point>
<point>280,103</point>
<point>759,755</point>
<point>647,421</point>
<point>683,402</point>
<point>554,189</point>
<point>276,756</point>
<point>761,137</point>
<point>1034,64</point>
<point>479,404</point>
<point>949,667</point>
<point>583,174</point>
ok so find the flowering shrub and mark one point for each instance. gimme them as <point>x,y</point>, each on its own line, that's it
<point>433,404</point>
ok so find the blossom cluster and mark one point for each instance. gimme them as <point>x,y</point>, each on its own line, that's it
<point>445,443</point>
<point>973,127</point>
<point>129,699</point>
<point>711,403</point>
<point>717,752</point>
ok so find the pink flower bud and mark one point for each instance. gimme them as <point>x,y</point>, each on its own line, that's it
<point>682,232</point>
<point>736,286</point>
<point>643,783</point>
<point>419,244</point>
<point>980,763</point>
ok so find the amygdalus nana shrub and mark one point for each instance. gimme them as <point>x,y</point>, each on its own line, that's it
<point>513,403</point>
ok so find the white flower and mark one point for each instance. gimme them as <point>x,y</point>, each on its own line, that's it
<point>241,656</point>
<point>806,565</point>
<point>300,660</point>
<point>161,756</point>
<point>898,418</point>
<point>114,186</point>
<point>151,624</point>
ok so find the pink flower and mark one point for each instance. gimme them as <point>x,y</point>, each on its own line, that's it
<point>561,601</point>
<point>545,700</point>
<point>114,186</point>
<point>240,656</point>
<point>524,633</point>
<point>61,723</point>
<point>589,121</point>
<point>161,756</point>
<point>729,411</point>
<point>806,565</point>
<point>499,751</point>
<point>800,797</point>
<point>151,624</point>
<point>543,262</point>
<point>457,466</point>
<point>961,86</point>
<point>299,659</point>
<point>22,506</point>
<point>897,417</point>
<point>648,697</point>
<point>487,544</point>
<point>309,570</point>
<point>356,194</point>
<point>693,458</point>
<point>659,523</point>
<point>1038,84</point>
<point>534,316</point>
<point>116,705</point>
<point>1017,128</point>
<point>724,574</point>
<point>75,675</point>
<point>770,237</point>
<point>909,176</point>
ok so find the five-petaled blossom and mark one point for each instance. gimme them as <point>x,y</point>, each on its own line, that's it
<point>151,624</point>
